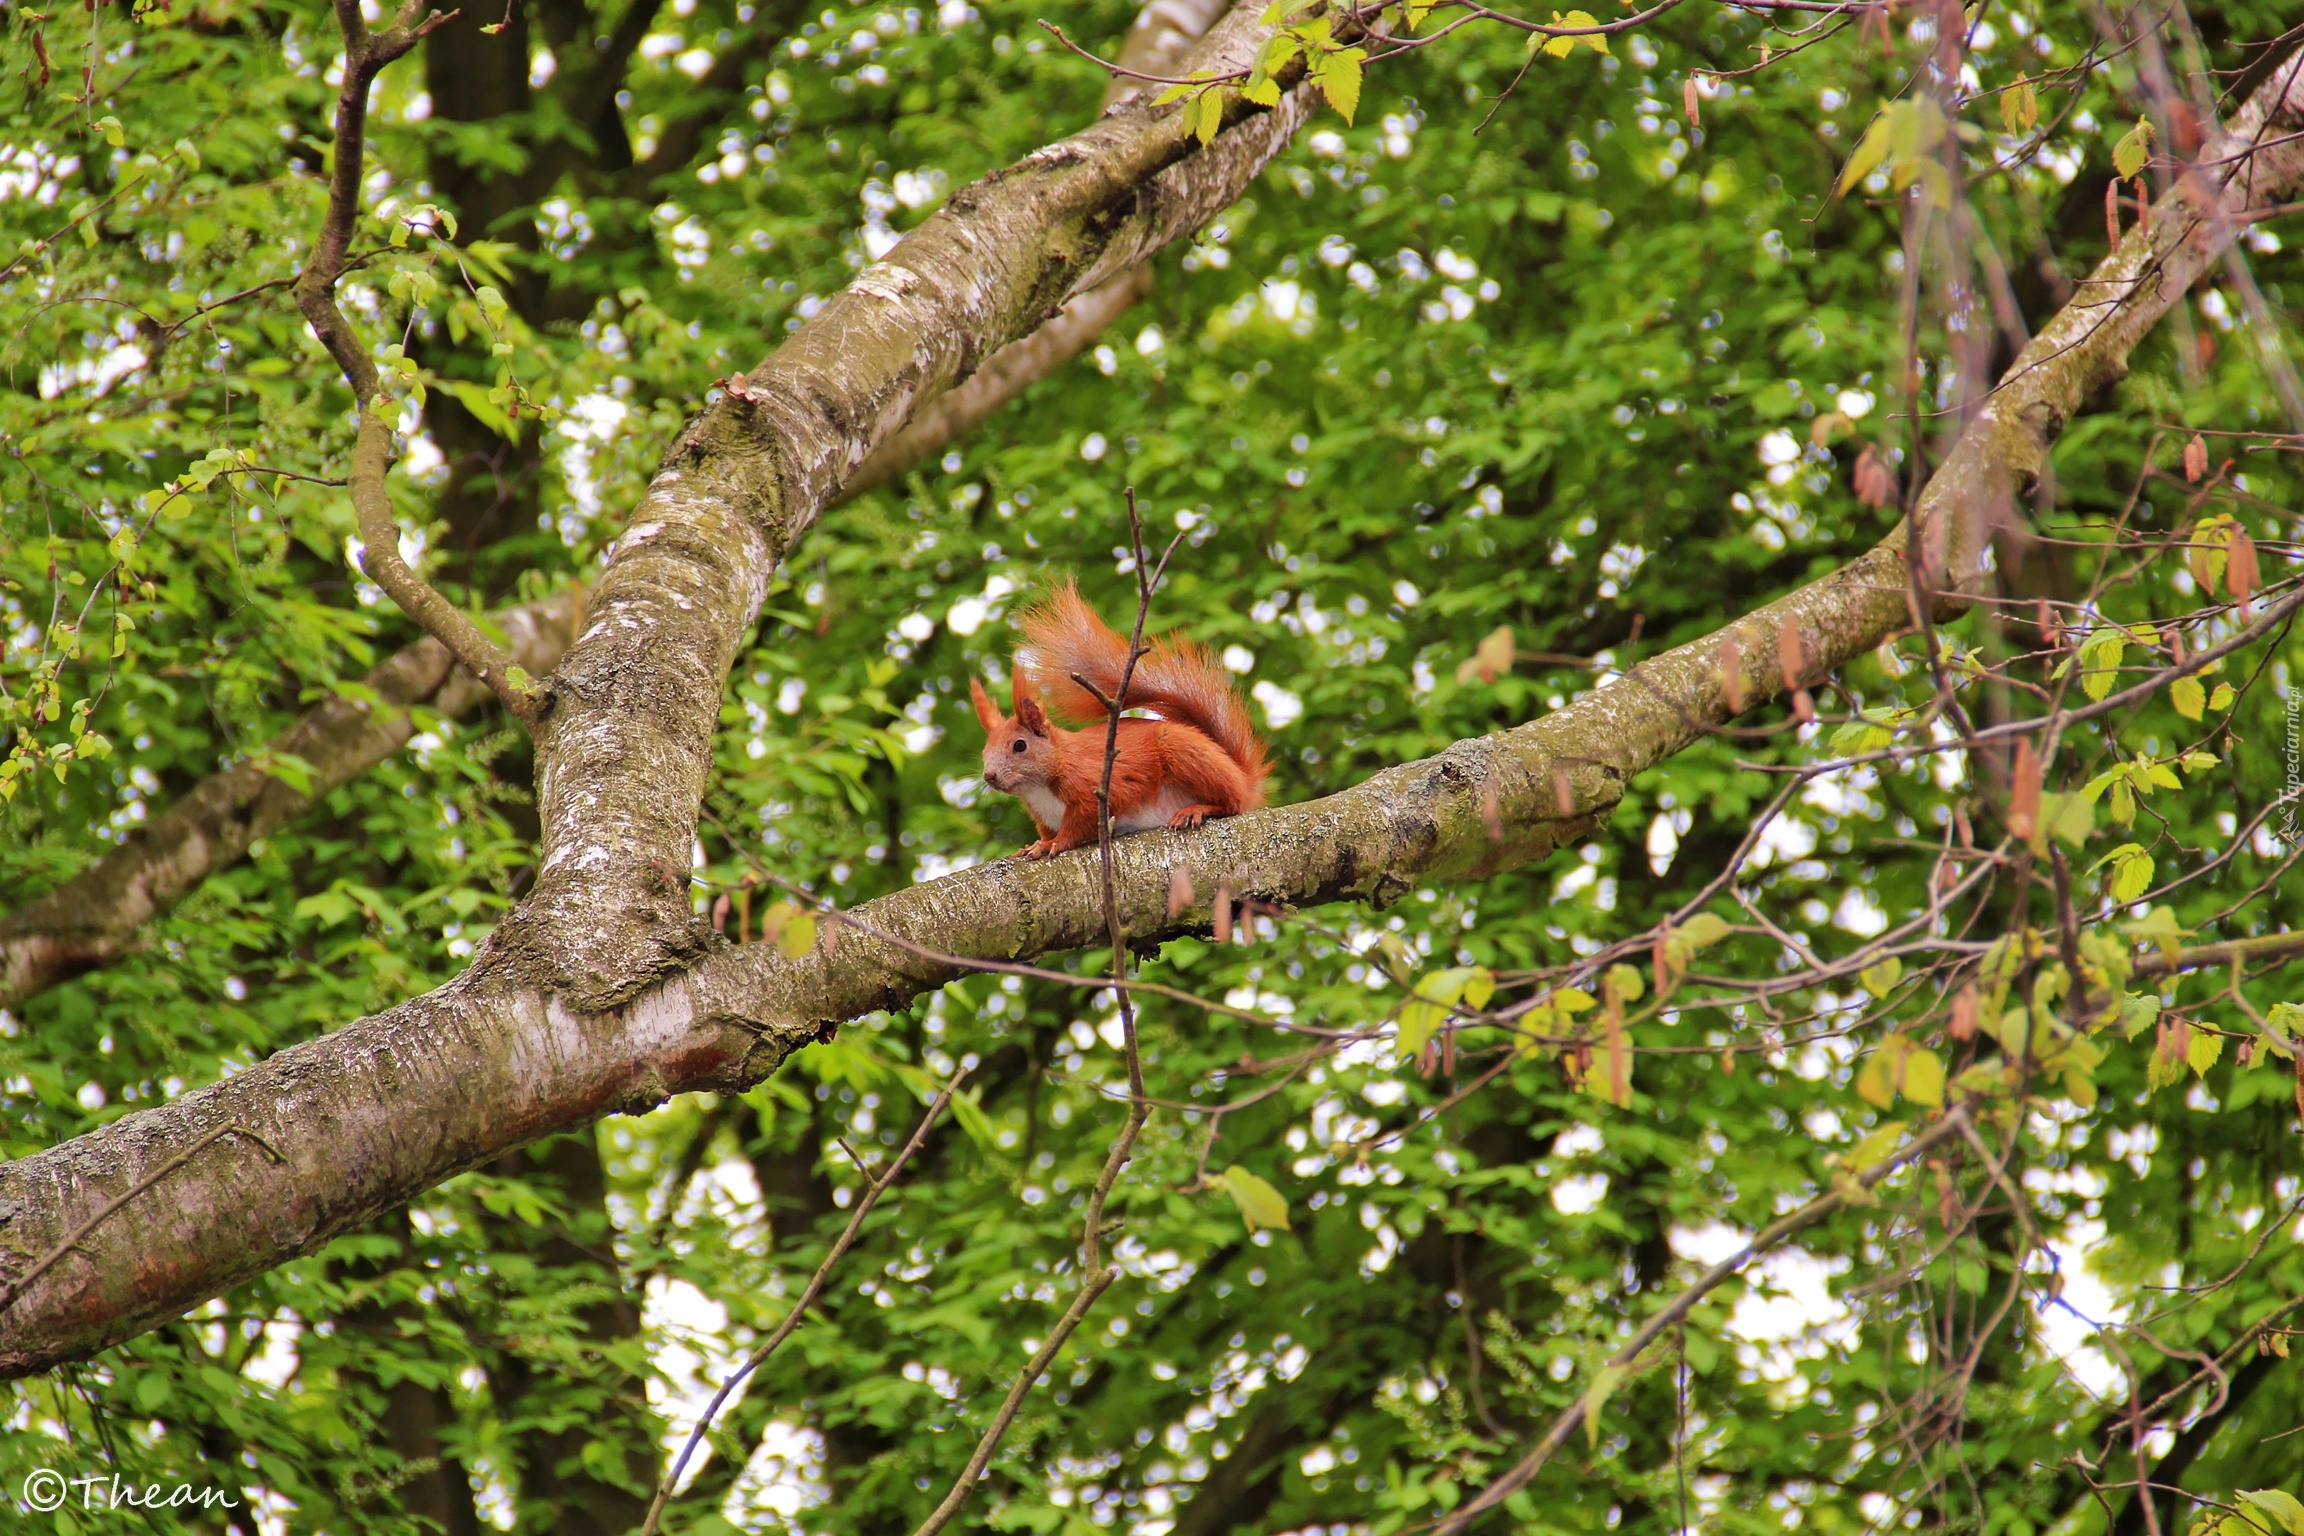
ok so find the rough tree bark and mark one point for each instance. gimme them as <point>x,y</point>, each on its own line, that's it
<point>605,992</point>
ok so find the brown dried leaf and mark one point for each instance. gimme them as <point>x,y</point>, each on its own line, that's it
<point>1791,660</point>
<point>2241,576</point>
<point>2024,792</point>
<point>1874,481</point>
<point>1963,1025</point>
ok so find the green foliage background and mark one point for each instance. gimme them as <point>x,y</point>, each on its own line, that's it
<point>1453,366</point>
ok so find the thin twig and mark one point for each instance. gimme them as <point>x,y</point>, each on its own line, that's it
<point>1096,1276</point>
<point>16,1285</point>
<point>1953,1124</point>
<point>875,1186</point>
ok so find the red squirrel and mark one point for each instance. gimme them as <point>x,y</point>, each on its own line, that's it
<point>1199,759</point>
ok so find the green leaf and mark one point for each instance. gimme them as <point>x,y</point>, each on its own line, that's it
<point>474,397</point>
<point>1604,1385</point>
<point>2157,927</point>
<point>1208,115</point>
<point>2202,1051</point>
<point>328,907</point>
<point>1177,92</point>
<point>2069,818</point>
<point>1877,1147</point>
<point>798,935</point>
<point>2134,150</point>
<point>2189,696</point>
<point>1870,153</point>
<point>2100,661</point>
<point>1611,1064</point>
<point>2139,1011</point>
<point>2131,874</point>
<point>1924,1079</point>
<point>1704,930</point>
<point>1339,76</point>
<point>1881,979</point>
<point>1418,1021</point>
<point>1445,987</point>
<point>1260,1204</point>
<point>2279,1504</point>
<point>2283,1022</point>
<point>2019,107</point>
<point>1561,47</point>
<point>290,770</point>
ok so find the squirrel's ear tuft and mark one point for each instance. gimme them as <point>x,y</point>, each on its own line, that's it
<point>1030,715</point>
<point>987,713</point>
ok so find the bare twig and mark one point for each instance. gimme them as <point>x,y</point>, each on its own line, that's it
<point>875,1186</point>
<point>15,1285</point>
<point>1953,1124</point>
<point>1096,1276</point>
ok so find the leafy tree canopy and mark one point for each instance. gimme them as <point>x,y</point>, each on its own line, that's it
<point>1531,356</point>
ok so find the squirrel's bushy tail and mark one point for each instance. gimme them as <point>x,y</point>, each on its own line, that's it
<point>1176,678</point>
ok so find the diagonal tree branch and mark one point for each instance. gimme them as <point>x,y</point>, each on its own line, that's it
<point>92,919</point>
<point>1164,32</point>
<point>605,993</point>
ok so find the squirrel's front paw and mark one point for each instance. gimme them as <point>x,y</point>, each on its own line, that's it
<point>1038,850</point>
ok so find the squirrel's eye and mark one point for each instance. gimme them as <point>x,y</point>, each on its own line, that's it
<point>1019,745</point>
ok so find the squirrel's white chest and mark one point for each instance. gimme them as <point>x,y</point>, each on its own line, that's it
<point>1043,803</point>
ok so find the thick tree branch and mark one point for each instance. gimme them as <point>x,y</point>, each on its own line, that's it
<point>1164,32</point>
<point>592,999</point>
<point>1014,369</point>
